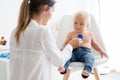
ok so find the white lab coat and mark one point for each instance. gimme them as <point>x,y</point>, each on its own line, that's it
<point>37,50</point>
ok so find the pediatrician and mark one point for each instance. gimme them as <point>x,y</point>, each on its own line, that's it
<point>32,46</point>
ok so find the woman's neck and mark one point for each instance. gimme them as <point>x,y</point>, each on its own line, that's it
<point>39,19</point>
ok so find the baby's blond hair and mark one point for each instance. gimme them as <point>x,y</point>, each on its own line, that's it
<point>82,14</point>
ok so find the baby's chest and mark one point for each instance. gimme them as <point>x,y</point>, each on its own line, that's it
<point>86,38</point>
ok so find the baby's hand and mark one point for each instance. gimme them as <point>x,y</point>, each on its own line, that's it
<point>103,54</point>
<point>61,49</point>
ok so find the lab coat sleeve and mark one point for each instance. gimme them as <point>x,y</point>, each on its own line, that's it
<point>57,58</point>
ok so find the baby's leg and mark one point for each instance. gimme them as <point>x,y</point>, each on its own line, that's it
<point>63,70</point>
<point>88,64</point>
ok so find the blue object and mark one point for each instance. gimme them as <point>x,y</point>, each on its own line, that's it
<point>80,36</point>
<point>5,55</point>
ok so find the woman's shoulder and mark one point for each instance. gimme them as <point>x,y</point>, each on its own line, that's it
<point>45,31</point>
<point>13,31</point>
<point>39,29</point>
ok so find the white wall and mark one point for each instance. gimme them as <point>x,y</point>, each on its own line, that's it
<point>110,26</point>
<point>8,16</point>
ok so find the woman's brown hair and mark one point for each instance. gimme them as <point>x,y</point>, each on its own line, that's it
<point>29,7</point>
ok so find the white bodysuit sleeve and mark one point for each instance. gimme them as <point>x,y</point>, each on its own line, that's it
<point>57,58</point>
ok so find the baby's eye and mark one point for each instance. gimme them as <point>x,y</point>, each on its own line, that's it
<point>81,23</point>
<point>75,23</point>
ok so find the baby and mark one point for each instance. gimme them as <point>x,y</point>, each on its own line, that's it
<point>83,52</point>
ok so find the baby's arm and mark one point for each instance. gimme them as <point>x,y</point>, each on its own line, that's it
<point>67,40</point>
<point>97,47</point>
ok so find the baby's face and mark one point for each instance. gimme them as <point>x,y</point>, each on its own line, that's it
<point>80,24</point>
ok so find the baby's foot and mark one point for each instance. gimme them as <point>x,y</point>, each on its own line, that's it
<point>85,74</point>
<point>62,70</point>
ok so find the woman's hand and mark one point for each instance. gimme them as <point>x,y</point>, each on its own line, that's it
<point>75,42</point>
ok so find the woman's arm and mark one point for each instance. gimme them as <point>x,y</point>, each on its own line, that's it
<point>67,40</point>
<point>97,47</point>
<point>56,57</point>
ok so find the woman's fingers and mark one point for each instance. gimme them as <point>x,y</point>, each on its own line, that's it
<point>75,42</point>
